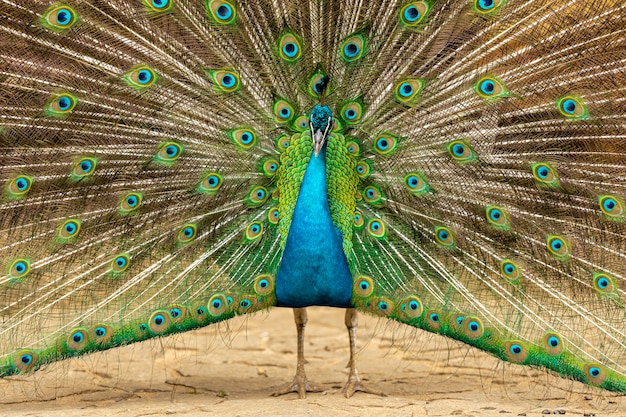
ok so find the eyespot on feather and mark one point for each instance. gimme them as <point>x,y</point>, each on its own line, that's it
<point>289,47</point>
<point>385,144</point>
<point>363,286</point>
<point>178,313</point>
<point>553,343</point>
<point>363,170</point>
<point>376,228</point>
<point>187,233</point>
<point>545,174</point>
<point>273,215</point>
<point>461,151</point>
<point>445,237</point>
<point>416,183</point>
<point>433,320</point>
<point>407,91</point>
<point>515,351</point>
<point>605,286</point>
<point>18,269</point>
<point>253,232</point>
<point>159,6</point>
<point>353,148</point>
<point>382,306</point>
<point>283,111</point>
<point>490,88</point>
<point>210,183</point>
<point>359,221</point>
<point>413,14</point>
<point>269,167</point>
<point>612,207</point>
<point>256,196</point>
<point>353,48</point>
<point>223,12</point>
<point>101,333</point>
<point>68,230</point>
<point>572,108</point>
<point>351,112</point>
<point>129,203</point>
<point>497,217</point>
<point>301,124</point>
<point>318,83</point>
<point>61,105</point>
<point>411,307</point>
<point>245,138</point>
<point>19,186</point>
<point>120,263</point>
<point>140,77</point>
<point>282,143</point>
<point>372,195</point>
<point>473,327</point>
<point>59,17</point>
<point>225,80</point>
<point>595,373</point>
<point>26,360</point>
<point>77,339</point>
<point>486,7</point>
<point>82,168</point>
<point>159,321</point>
<point>510,271</point>
<point>559,247</point>
<point>218,305</point>
<point>264,284</point>
<point>168,153</point>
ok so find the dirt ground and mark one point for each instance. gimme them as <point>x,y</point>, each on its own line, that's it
<point>231,370</point>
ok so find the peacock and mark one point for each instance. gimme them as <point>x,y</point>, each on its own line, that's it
<point>458,166</point>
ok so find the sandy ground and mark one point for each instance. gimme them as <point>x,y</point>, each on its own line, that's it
<point>231,370</point>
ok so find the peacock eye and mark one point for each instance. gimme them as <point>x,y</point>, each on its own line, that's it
<point>60,105</point>
<point>414,13</point>
<point>283,111</point>
<point>59,18</point>
<point>461,152</point>
<point>351,112</point>
<point>573,108</point>
<point>223,12</point>
<point>353,48</point>
<point>140,77</point>
<point>407,91</point>
<point>486,7</point>
<point>289,47</point>
<point>187,233</point>
<point>158,6</point>
<point>225,80</point>
<point>490,88</point>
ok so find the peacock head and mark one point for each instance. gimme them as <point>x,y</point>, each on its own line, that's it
<point>321,121</point>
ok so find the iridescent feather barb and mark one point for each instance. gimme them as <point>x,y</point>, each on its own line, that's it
<point>454,165</point>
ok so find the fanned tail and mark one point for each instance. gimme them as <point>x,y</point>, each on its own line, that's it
<point>140,144</point>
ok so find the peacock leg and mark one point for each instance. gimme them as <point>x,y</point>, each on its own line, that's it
<point>300,383</point>
<point>354,383</point>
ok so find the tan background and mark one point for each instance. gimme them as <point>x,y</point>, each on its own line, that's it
<point>231,369</point>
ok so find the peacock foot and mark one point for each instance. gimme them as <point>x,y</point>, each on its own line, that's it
<point>300,385</point>
<point>353,385</point>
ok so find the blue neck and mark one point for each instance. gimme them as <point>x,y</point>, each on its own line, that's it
<point>314,270</point>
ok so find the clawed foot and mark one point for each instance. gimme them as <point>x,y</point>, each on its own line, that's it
<point>300,385</point>
<point>353,385</point>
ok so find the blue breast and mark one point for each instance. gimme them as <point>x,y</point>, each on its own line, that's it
<point>314,270</point>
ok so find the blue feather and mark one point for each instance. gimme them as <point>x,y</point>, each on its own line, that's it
<point>314,270</point>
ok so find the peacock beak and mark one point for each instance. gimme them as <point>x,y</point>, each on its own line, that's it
<point>318,141</point>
